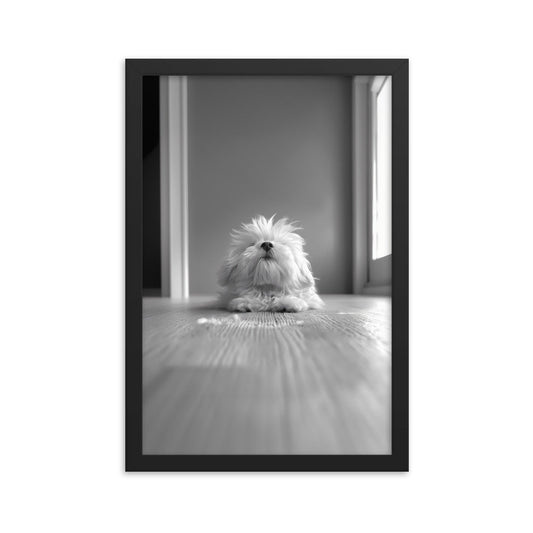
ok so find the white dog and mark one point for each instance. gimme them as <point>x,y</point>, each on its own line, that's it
<point>266,269</point>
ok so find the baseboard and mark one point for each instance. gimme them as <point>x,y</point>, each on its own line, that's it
<point>377,290</point>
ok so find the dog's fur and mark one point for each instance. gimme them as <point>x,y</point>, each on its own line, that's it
<point>279,279</point>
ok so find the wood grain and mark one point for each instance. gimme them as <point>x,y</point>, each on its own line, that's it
<point>316,382</point>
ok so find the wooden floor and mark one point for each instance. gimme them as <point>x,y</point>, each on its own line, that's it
<point>316,382</point>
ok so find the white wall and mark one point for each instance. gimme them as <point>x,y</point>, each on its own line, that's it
<point>61,399</point>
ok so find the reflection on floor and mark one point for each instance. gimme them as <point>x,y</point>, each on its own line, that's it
<point>316,382</point>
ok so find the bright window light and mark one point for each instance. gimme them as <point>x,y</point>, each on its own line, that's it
<point>382,174</point>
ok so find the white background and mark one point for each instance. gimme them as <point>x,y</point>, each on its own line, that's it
<point>62,212</point>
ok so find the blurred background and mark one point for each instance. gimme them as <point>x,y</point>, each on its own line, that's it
<point>219,150</point>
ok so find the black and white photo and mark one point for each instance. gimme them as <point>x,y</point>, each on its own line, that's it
<point>270,200</point>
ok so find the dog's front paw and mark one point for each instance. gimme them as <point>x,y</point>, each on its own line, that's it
<point>239,304</point>
<point>290,304</point>
<point>243,305</point>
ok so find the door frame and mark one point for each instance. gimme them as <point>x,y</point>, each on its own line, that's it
<point>174,141</point>
<point>370,276</point>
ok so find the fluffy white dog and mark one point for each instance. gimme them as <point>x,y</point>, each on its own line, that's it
<point>267,270</point>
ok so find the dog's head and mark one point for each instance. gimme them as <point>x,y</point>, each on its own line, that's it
<point>264,253</point>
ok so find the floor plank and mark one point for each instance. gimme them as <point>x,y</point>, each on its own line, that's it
<point>316,382</point>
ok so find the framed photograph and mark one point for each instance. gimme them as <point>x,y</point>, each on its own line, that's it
<point>267,265</point>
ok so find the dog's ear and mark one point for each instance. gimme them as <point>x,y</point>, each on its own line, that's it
<point>305,276</point>
<point>226,271</point>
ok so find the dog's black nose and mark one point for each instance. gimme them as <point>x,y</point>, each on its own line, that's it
<point>267,246</point>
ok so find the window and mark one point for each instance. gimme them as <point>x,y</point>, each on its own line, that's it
<point>382,172</point>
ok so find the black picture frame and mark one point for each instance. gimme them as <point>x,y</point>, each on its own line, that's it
<point>398,69</point>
